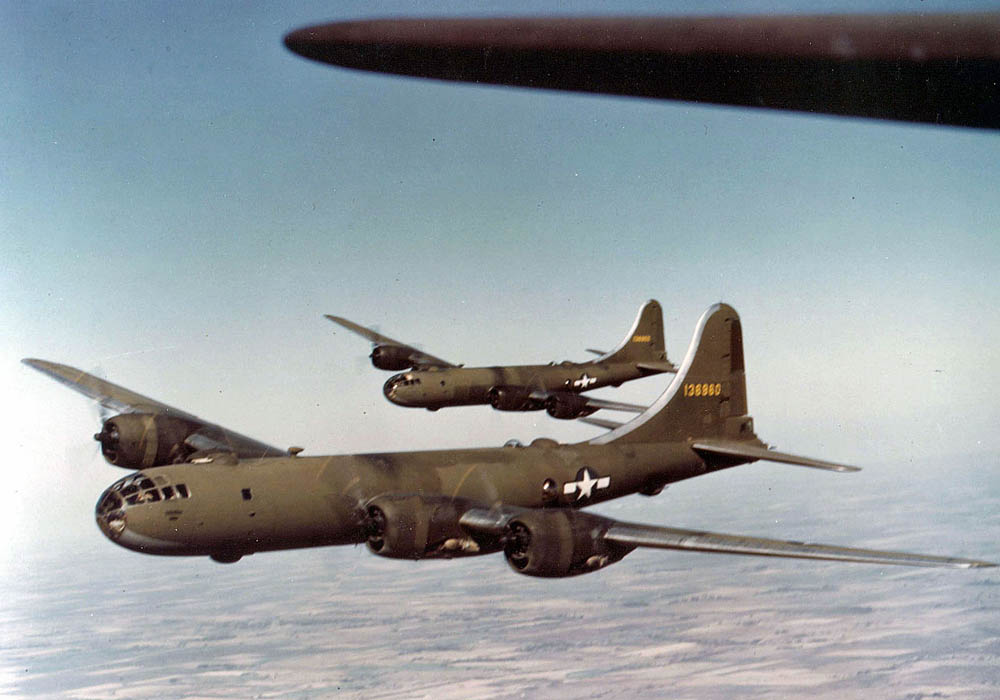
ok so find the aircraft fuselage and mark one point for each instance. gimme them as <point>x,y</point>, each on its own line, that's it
<point>435,387</point>
<point>231,508</point>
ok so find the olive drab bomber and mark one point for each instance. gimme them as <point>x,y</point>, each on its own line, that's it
<point>227,496</point>
<point>557,387</point>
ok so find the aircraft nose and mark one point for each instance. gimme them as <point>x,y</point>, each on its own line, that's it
<point>110,513</point>
<point>124,524</point>
<point>389,388</point>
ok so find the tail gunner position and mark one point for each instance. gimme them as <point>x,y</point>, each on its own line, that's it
<point>433,383</point>
<point>205,491</point>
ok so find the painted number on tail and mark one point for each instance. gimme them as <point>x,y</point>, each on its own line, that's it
<point>702,389</point>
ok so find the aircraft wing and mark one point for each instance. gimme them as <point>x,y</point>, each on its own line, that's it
<point>592,401</point>
<point>121,400</point>
<point>601,422</point>
<point>635,535</point>
<point>600,530</point>
<point>419,358</point>
<point>614,405</point>
<point>922,67</point>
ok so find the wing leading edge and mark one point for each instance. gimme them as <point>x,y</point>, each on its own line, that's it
<point>121,400</point>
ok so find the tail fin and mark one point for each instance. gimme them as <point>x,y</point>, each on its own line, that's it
<point>644,344</point>
<point>707,398</point>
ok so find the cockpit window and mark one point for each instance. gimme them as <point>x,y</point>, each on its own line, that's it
<point>138,489</point>
<point>111,501</point>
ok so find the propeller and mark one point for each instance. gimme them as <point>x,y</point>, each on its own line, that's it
<point>374,528</point>
<point>516,541</point>
<point>108,436</point>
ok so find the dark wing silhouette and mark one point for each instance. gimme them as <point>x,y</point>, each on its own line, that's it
<point>930,68</point>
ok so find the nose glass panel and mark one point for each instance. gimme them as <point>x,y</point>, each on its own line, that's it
<point>111,514</point>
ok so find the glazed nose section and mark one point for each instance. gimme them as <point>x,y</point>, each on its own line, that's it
<point>390,387</point>
<point>110,513</point>
<point>129,525</point>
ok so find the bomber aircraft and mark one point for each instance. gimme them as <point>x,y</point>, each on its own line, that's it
<point>225,502</point>
<point>433,383</point>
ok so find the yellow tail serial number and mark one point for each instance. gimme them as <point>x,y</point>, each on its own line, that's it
<point>642,338</point>
<point>702,389</point>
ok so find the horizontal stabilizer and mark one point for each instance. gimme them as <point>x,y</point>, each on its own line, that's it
<point>664,366</point>
<point>597,352</point>
<point>733,448</point>
<point>635,535</point>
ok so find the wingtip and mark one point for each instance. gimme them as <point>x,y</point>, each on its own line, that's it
<point>981,565</point>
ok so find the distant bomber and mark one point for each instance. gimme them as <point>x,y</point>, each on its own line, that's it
<point>205,491</point>
<point>433,383</point>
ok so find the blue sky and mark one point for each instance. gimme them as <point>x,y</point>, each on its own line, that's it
<point>181,199</point>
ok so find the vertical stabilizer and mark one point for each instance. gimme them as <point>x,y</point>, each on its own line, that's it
<point>707,398</point>
<point>644,342</point>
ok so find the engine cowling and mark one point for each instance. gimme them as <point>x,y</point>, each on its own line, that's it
<point>557,543</point>
<point>566,406</point>
<point>512,398</point>
<point>139,440</point>
<point>414,527</point>
<point>391,357</point>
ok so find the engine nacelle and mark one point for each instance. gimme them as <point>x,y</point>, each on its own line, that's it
<point>391,357</point>
<point>408,526</point>
<point>566,406</point>
<point>555,543</point>
<point>139,440</point>
<point>512,398</point>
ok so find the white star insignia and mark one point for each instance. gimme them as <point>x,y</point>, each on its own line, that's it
<point>585,484</point>
<point>584,381</point>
